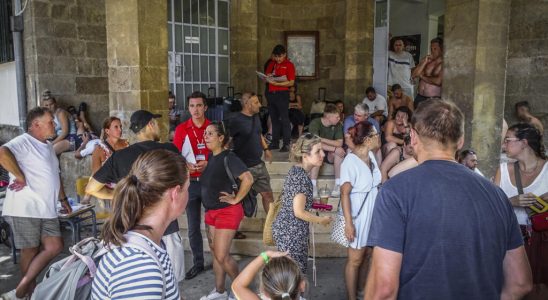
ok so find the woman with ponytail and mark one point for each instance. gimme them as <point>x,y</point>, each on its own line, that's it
<point>281,278</point>
<point>154,193</point>
<point>523,143</point>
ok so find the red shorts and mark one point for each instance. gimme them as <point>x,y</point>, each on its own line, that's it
<point>225,218</point>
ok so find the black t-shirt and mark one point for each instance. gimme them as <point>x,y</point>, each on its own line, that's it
<point>119,164</point>
<point>453,228</point>
<point>214,179</point>
<point>246,138</point>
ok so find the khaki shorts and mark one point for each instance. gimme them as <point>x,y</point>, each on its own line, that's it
<point>261,178</point>
<point>28,232</point>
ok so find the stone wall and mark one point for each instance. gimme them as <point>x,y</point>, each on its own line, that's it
<point>65,52</point>
<point>257,26</point>
<point>527,66</point>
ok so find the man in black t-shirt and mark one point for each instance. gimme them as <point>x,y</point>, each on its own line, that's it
<point>249,144</point>
<point>439,231</point>
<point>118,165</point>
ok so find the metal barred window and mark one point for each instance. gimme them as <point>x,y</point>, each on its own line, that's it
<point>6,38</point>
<point>199,49</point>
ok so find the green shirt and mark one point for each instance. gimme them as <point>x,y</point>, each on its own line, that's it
<point>334,132</point>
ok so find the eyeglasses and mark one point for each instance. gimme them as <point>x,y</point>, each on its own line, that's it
<point>507,140</point>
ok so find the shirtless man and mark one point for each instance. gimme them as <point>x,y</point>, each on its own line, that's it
<point>398,99</point>
<point>430,73</point>
<point>523,112</point>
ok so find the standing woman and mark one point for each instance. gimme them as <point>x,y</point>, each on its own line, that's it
<point>154,193</point>
<point>360,178</point>
<point>224,210</point>
<point>111,141</point>
<point>523,142</point>
<point>290,229</point>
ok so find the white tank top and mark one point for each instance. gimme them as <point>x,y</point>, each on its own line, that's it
<point>538,187</point>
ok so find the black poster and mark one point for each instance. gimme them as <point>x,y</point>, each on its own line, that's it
<point>413,45</point>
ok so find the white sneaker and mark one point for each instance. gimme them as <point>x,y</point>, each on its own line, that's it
<point>315,194</point>
<point>336,193</point>
<point>214,295</point>
<point>11,296</point>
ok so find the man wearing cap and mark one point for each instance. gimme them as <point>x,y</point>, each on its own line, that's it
<point>118,165</point>
<point>189,139</point>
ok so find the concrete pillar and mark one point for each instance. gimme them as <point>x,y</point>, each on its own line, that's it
<point>137,44</point>
<point>360,16</point>
<point>476,45</point>
<point>244,45</point>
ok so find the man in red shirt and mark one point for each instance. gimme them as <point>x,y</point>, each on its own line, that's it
<point>189,139</point>
<point>278,96</point>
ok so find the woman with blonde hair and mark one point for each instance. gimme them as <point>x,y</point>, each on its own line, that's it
<point>290,229</point>
<point>154,193</point>
<point>281,278</point>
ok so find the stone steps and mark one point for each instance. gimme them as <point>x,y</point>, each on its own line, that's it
<point>252,245</point>
<point>277,181</point>
<point>282,167</point>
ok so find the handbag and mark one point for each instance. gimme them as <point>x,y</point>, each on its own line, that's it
<point>249,203</point>
<point>539,221</point>
<point>337,234</point>
<point>268,237</point>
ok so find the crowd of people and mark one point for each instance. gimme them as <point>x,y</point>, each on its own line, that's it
<point>418,218</point>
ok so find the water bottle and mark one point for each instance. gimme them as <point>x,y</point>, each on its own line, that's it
<point>72,143</point>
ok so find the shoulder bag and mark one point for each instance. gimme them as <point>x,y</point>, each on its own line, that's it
<point>249,202</point>
<point>337,234</point>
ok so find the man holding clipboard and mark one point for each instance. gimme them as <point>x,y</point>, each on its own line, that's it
<point>278,96</point>
<point>189,139</point>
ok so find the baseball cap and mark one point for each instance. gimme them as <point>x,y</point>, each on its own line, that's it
<point>140,119</point>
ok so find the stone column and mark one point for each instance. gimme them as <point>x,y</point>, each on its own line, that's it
<point>243,44</point>
<point>475,70</point>
<point>360,16</point>
<point>137,44</point>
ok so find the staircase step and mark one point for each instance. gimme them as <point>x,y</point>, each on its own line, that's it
<point>277,181</point>
<point>282,167</point>
<point>256,224</point>
<point>252,245</point>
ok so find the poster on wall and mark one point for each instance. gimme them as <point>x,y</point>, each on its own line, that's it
<point>413,45</point>
<point>303,50</point>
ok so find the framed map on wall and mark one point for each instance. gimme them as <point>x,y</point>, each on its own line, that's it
<point>303,50</point>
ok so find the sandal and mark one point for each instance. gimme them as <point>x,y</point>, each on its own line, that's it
<point>83,107</point>
<point>239,236</point>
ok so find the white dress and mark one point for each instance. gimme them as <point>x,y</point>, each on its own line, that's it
<point>538,187</point>
<point>362,180</point>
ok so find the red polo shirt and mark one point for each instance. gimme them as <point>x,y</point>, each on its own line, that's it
<point>284,68</point>
<point>196,136</point>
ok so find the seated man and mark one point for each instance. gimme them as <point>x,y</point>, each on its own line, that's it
<point>361,113</point>
<point>396,129</point>
<point>469,159</point>
<point>395,156</point>
<point>523,112</point>
<point>376,104</point>
<point>398,99</point>
<point>330,130</point>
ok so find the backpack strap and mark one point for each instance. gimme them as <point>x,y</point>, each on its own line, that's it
<point>517,177</point>
<point>134,240</point>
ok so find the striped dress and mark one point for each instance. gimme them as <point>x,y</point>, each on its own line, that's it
<point>129,273</point>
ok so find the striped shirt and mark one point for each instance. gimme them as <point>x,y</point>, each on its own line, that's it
<point>130,273</point>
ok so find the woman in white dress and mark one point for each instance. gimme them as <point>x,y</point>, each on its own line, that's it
<point>360,178</point>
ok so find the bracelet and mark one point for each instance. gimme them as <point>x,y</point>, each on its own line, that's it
<point>266,149</point>
<point>265,257</point>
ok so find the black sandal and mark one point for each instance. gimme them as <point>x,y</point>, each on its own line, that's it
<point>239,236</point>
<point>83,107</point>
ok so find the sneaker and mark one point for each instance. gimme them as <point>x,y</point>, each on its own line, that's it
<point>214,295</point>
<point>315,194</point>
<point>336,193</point>
<point>11,296</point>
